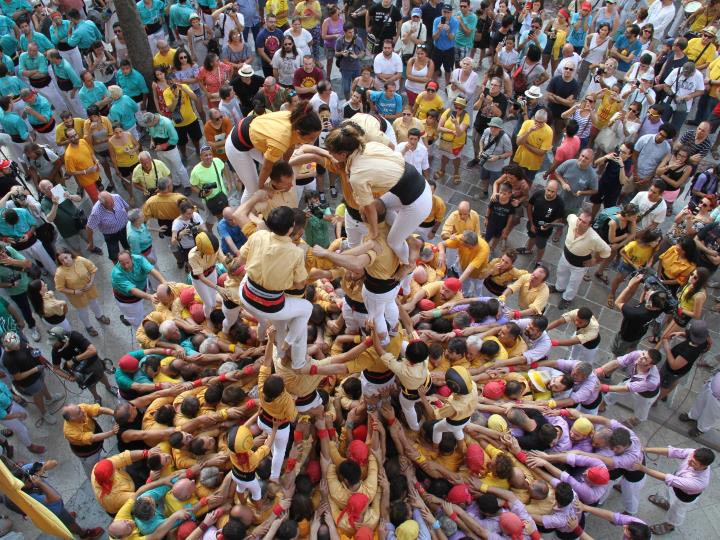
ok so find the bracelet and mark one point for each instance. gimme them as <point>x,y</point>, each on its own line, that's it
<point>189,474</point>
<point>197,383</point>
<point>604,388</point>
<point>332,433</point>
<point>368,341</point>
<point>168,351</point>
<point>290,465</point>
<point>502,297</point>
<point>511,369</point>
<point>516,314</point>
<point>224,414</point>
<point>600,372</point>
<point>391,421</point>
<point>552,403</point>
<point>322,433</point>
<point>277,510</point>
<point>250,403</point>
<point>157,386</point>
<point>534,365</point>
<point>203,501</point>
<point>578,530</point>
<point>146,453</point>
<point>231,347</point>
<point>203,527</point>
<point>535,535</point>
<point>436,524</point>
<point>521,456</point>
<point>436,313</point>
<point>484,487</point>
<point>564,412</point>
<point>313,369</point>
<point>458,332</point>
<point>554,342</point>
<point>248,370</point>
<point>223,377</point>
<point>357,340</point>
<point>453,516</point>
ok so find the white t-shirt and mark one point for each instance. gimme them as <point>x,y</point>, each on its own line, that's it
<point>418,157</point>
<point>226,24</point>
<point>685,85</point>
<point>335,113</point>
<point>575,60</point>
<point>302,42</point>
<point>388,66</point>
<point>595,86</point>
<point>409,47</point>
<point>508,58</point>
<point>656,216</point>
<point>286,67</point>
<point>179,224</point>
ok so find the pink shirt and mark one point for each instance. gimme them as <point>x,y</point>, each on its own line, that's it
<point>686,478</point>
<point>569,149</point>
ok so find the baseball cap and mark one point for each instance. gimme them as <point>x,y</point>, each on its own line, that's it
<point>416,12</point>
<point>4,163</point>
<point>446,7</point>
<point>56,333</point>
<point>697,332</point>
<point>586,5</point>
<point>495,121</point>
<point>688,67</point>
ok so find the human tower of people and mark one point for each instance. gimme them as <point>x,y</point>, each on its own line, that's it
<point>356,362</point>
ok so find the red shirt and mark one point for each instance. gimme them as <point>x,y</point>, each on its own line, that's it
<point>304,79</point>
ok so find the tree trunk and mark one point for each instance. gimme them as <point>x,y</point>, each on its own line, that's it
<point>135,38</point>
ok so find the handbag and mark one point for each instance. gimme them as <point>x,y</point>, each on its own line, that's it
<point>176,115</point>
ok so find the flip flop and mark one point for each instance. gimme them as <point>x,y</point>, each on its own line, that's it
<point>602,277</point>
<point>611,301</point>
<point>660,501</point>
<point>587,277</point>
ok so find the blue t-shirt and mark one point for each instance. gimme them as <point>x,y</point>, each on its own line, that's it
<point>270,41</point>
<point>624,47</point>
<point>443,42</point>
<point>577,37</point>
<point>386,105</point>
<point>234,232</point>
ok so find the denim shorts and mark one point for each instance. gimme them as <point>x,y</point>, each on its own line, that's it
<point>624,268</point>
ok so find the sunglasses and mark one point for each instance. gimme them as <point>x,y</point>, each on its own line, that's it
<point>423,47</point>
<point>704,204</point>
<point>407,114</point>
<point>569,69</point>
<point>590,100</point>
<point>431,90</point>
<point>292,93</point>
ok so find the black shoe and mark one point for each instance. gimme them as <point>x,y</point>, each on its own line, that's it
<point>124,320</point>
<point>693,122</point>
<point>564,304</point>
<point>323,200</point>
<point>187,191</point>
<point>555,290</point>
<point>110,188</point>
<point>685,418</point>
<point>333,192</point>
<point>177,188</point>
<point>695,432</point>
<point>472,163</point>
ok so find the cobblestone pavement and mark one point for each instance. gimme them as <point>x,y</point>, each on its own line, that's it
<point>662,428</point>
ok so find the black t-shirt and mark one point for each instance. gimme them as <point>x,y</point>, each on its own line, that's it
<point>349,112</point>
<point>635,321</point>
<point>563,89</point>
<point>482,121</point>
<point>355,5</point>
<point>689,352</point>
<point>531,440</point>
<point>429,14</point>
<point>544,210</point>
<point>20,361</point>
<point>77,344</point>
<point>710,236</point>
<point>671,64</point>
<point>7,182</point>
<point>246,92</point>
<point>499,214</point>
<point>383,21</point>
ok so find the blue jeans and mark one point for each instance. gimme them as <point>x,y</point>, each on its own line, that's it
<point>255,31</point>
<point>705,106</point>
<point>347,78</point>
<point>675,118</point>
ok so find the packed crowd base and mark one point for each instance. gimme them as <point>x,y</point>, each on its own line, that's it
<point>338,354</point>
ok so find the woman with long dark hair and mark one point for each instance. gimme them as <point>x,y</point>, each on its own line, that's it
<point>44,303</point>
<point>265,139</point>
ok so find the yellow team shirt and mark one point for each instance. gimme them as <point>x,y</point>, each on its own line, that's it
<point>698,53</point>
<point>536,298</point>
<point>273,261</point>
<point>437,213</point>
<point>432,290</point>
<point>474,256</point>
<point>278,6</point>
<point>541,138</point>
<point>302,9</point>
<point>713,74</point>
<point>446,121</point>
<point>454,224</point>
<point>272,134</point>
<point>123,487</point>
<point>81,433</point>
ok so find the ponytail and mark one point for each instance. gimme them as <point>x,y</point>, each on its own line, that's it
<point>305,120</point>
<point>347,138</point>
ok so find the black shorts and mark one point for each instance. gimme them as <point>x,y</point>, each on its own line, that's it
<point>192,131</point>
<point>445,59</point>
<point>606,195</point>
<point>493,231</point>
<point>668,378</point>
<point>541,239</point>
<point>126,172</point>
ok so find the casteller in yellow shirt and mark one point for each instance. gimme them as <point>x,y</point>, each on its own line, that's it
<point>540,137</point>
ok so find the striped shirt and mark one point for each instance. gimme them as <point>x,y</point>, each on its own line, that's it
<point>688,140</point>
<point>109,221</point>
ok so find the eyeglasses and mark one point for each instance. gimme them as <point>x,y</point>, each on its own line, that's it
<point>567,68</point>
<point>647,31</point>
<point>590,100</point>
<point>535,27</point>
<point>407,114</point>
<point>182,57</point>
<point>430,90</point>
<point>704,204</point>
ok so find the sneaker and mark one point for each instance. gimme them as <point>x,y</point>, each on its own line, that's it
<point>91,330</point>
<point>35,334</point>
<point>103,319</point>
<point>333,192</point>
<point>125,321</point>
<point>90,534</point>
<point>323,199</point>
<point>47,419</point>
<point>36,449</point>
<point>685,418</point>
<point>564,304</point>
<point>555,290</point>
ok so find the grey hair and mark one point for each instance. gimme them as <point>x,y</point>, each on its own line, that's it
<point>207,343</point>
<point>470,237</point>
<point>226,367</point>
<point>584,368</point>
<point>210,477</point>
<point>540,115</point>
<point>166,326</point>
<point>134,214</point>
<point>474,341</point>
<point>144,155</point>
<point>115,91</point>
<point>164,183</point>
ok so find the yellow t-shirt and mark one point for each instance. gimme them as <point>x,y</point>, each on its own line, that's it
<point>695,47</point>
<point>446,121</point>
<point>278,6</point>
<point>186,108</point>
<point>637,254</point>
<point>424,105</point>
<point>164,59</point>
<point>713,74</point>
<point>541,138</point>
<point>301,10</point>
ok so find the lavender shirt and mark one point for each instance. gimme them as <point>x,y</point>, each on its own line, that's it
<point>537,348</point>
<point>564,443</point>
<point>586,391</point>
<point>588,493</point>
<point>561,516</point>
<point>518,508</point>
<point>623,519</point>
<point>632,455</point>
<point>584,445</point>
<point>639,382</point>
<point>685,477</point>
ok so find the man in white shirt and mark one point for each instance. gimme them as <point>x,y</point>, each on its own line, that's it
<point>414,152</point>
<point>660,15</point>
<point>652,207</point>
<point>388,66</point>
<point>569,56</point>
<point>685,83</point>
<point>412,34</point>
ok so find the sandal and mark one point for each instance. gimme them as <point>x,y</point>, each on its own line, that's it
<point>631,422</point>
<point>103,319</point>
<point>611,301</point>
<point>456,179</point>
<point>602,277</point>
<point>438,174</point>
<point>662,528</point>
<point>587,277</point>
<point>522,251</point>
<point>7,432</point>
<point>654,340</point>
<point>659,500</point>
<point>91,330</point>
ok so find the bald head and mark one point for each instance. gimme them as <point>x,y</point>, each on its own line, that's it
<point>71,412</point>
<point>183,489</point>
<point>45,186</point>
<point>120,528</point>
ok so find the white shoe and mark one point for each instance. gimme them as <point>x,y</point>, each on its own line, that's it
<point>54,398</point>
<point>35,334</point>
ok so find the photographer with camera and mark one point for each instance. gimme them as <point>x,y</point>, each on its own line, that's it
<point>208,181</point>
<point>81,361</point>
<point>17,227</point>
<point>494,151</point>
<point>64,214</point>
<point>146,174</point>
<point>637,315</point>
<point>184,230</point>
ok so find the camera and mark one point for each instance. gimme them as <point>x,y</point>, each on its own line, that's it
<point>652,282</point>
<point>316,210</point>
<point>13,278</point>
<point>19,199</point>
<point>600,71</point>
<point>152,190</point>
<point>194,230</point>
<point>81,373</point>
<point>443,20</point>
<point>483,158</point>
<point>205,189</point>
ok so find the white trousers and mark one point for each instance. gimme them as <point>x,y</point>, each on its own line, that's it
<point>154,38</point>
<point>134,313</point>
<point>408,409</point>
<point>13,151</point>
<point>405,219</point>
<point>231,317</point>
<point>678,509</point>
<point>253,487</point>
<point>371,389</point>
<point>300,190</point>
<point>472,287</point>
<point>706,409</point>
<point>569,278</point>
<point>444,427</point>
<point>37,253</point>
<point>355,230</point>
<point>172,159</point>
<point>631,494</point>
<point>207,293</point>
<point>578,352</point>
<point>75,58</point>
<point>17,425</point>
<point>383,310</point>
<point>278,449</point>
<point>354,320</point>
<point>290,323</point>
<point>52,93</point>
<point>83,312</point>
<point>641,405</point>
<point>244,165</point>
<point>316,402</point>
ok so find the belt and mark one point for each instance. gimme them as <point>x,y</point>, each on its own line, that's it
<point>261,298</point>
<point>575,260</point>
<point>428,224</point>
<point>594,403</point>
<point>410,185</point>
<point>243,476</point>
<point>373,377</point>
<point>25,243</point>
<point>355,305</point>
<point>268,420</point>
<point>354,213</point>
<point>153,27</point>
<point>306,400</point>
<point>379,286</point>
<point>240,136</point>
<point>685,497</point>
<point>461,422</point>
<point>413,394</point>
<point>64,47</point>
<point>124,299</point>
<point>47,127</point>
